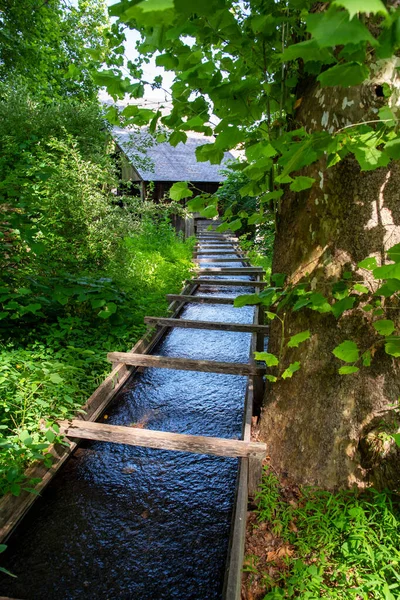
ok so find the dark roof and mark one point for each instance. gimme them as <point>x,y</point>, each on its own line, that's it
<point>163,162</point>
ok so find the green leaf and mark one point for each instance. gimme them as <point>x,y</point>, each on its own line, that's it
<point>319,303</point>
<point>307,51</point>
<point>168,61</point>
<point>180,190</point>
<point>370,158</point>
<point>55,378</point>
<point>387,272</point>
<point>390,287</point>
<point>271,378</point>
<point>50,436</point>
<point>235,225</point>
<point>209,212</point>
<point>348,370</point>
<point>297,339</point>
<point>278,279</point>
<point>368,307</point>
<point>384,327</point>
<point>270,315</point>
<point>156,5</point>
<point>361,288</point>
<point>394,253</point>
<point>367,358</point>
<point>340,307</point>
<point>386,114</point>
<point>302,183</point>
<point>334,28</point>
<point>246,299</point>
<point>346,75</point>
<point>97,302</point>
<point>359,6</point>
<point>209,152</point>
<point>368,263</point>
<point>197,204</point>
<point>392,346</point>
<point>292,368</point>
<point>177,137</point>
<point>109,310</point>
<point>347,351</point>
<point>392,149</point>
<point>396,438</point>
<point>270,359</point>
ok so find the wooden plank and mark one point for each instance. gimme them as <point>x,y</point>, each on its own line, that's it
<point>216,259</point>
<point>229,282</point>
<point>162,440</point>
<point>201,299</point>
<point>234,565</point>
<point>216,325</point>
<point>230,271</point>
<point>185,364</point>
<point>214,253</point>
<point>212,246</point>
<point>14,508</point>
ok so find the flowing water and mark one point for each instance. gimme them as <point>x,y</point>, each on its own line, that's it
<point>137,523</point>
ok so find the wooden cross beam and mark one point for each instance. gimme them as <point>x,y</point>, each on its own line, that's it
<point>229,282</point>
<point>185,364</point>
<point>231,271</point>
<point>200,299</point>
<point>162,440</point>
<point>216,325</point>
<point>217,259</point>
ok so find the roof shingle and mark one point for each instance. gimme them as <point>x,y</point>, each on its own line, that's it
<point>163,162</point>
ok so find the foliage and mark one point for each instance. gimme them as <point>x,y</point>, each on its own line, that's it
<point>371,290</point>
<point>342,545</point>
<point>52,45</point>
<point>78,270</point>
<point>243,62</point>
<point>48,371</point>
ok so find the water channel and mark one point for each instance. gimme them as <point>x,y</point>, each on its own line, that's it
<point>121,522</point>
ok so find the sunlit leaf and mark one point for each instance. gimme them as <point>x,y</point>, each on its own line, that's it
<point>292,368</point>
<point>347,351</point>
<point>297,339</point>
<point>348,370</point>
<point>270,359</point>
<point>180,190</point>
<point>384,326</point>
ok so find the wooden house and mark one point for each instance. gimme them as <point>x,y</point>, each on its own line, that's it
<point>156,166</point>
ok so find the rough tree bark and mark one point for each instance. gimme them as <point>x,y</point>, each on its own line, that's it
<point>320,427</point>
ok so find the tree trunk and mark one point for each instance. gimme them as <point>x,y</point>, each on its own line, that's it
<point>323,428</point>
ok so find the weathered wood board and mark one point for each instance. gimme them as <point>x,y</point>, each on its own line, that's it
<point>230,271</point>
<point>201,299</point>
<point>185,364</point>
<point>230,282</point>
<point>162,440</point>
<point>216,325</point>
<point>219,260</point>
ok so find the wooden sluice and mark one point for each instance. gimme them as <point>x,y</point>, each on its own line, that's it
<point>125,365</point>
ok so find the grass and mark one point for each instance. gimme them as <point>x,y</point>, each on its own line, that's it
<point>311,544</point>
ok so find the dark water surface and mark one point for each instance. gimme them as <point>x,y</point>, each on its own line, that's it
<point>137,523</point>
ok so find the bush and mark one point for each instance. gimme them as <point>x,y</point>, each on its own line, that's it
<point>78,271</point>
